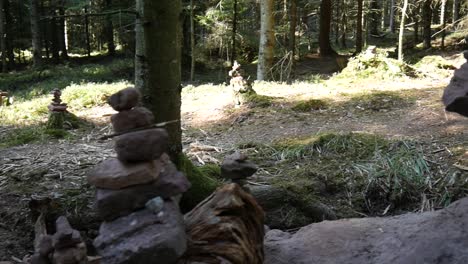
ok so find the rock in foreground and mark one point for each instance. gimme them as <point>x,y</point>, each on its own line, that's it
<point>434,237</point>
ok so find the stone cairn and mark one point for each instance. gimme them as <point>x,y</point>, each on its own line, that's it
<point>65,246</point>
<point>240,87</point>
<point>57,110</point>
<point>237,168</point>
<point>455,96</point>
<point>137,193</point>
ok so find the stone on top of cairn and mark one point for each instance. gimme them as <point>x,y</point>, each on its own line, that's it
<point>125,99</point>
<point>56,105</point>
<point>237,166</point>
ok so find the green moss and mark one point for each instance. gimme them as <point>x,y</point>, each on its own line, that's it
<point>56,133</point>
<point>257,100</point>
<point>21,136</point>
<point>55,121</point>
<point>211,170</point>
<point>202,184</point>
<point>309,105</point>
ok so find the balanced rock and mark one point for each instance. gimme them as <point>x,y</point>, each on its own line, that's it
<point>236,166</point>
<point>115,174</point>
<point>111,204</point>
<point>44,245</point>
<point>143,237</point>
<point>141,145</point>
<point>130,119</point>
<point>65,236</point>
<point>455,96</point>
<point>72,255</point>
<point>124,99</point>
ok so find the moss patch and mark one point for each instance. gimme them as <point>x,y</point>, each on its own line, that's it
<point>309,105</point>
<point>380,101</point>
<point>202,184</point>
<point>258,100</point>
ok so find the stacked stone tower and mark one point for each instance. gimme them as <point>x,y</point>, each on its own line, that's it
<point>137,193</point>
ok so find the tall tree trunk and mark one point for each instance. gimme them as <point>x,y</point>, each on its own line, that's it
<point>3,48</point>
<point>443,22</point>
<point>415,17</point>
<point>88,41</point>
<point>455,11</point>
<point>54,37</point>
<point>192,42</point>
<point>292,35</point>
<point>110,30</point>
<point>324,34</point>
<point>62,34</point>
<point>234,32</point>
<point>267,39</point>
<point>9,36</point>
<point>359,27</point>
<point>35,34</point>
<point>427,18</point>
<point>375,17</point>
<point>344,21</point>
<point>402,30</point>
<point>157,64</point>
<point>391,26</point>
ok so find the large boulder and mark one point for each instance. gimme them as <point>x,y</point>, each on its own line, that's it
<point>455,96</point>
<point>433,237</point>
<point>144,236</point>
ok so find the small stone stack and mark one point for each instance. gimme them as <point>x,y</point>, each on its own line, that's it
<point>65,246</point>
<point>237,168</point>
<point>137,191</point>
<point>240,87</point>
<point>57,111</point>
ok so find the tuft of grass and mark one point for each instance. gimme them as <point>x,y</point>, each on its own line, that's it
<point>309,105</point>
<point>258,100</point>
<point>86,95</point>
<point>30,134</point>
<point>360,174</point>
<point>211,170</point>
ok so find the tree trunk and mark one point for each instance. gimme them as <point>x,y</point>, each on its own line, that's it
<point>359,27</point>
<point>455,11</point>
<point>443,22</point>
<point>416,11</point>
<point>391,23</point>
<point>292,35</point>
<point>427,18</point>
<point>324,34</point>
<point>54,37</point>
<point>109,30</point>
<point>35,34</point>
<point>9,36</point>
<point>192,42</point>
<point>157,64</point>
<point>267,39</point>
<point>88,41</point>
<point>3,47</point>
<point>234,32</point>
<point>62,34</point>
<point>402,30</point>
<point>375,17</point>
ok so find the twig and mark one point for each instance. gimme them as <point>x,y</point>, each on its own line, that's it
<point>138,129</point>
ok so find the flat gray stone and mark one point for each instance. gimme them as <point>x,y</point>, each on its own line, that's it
<point>143,237</point>
<point>111,204</point>
<point>115,174</point>
<point>142,145</point>
<point>236,166</point>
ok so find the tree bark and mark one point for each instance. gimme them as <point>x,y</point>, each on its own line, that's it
<point>455,11</point>
<point>443,22</point>
<point>402,30</point>
<point>392,16</point>
<point>359,27</point>
<point>375,17</point>
<point>427,18</point>
<point>267,39</point>
<point>10,37</point>
<point>62,34</point>
<point>324,34</point>
<point>227,227</point>
<point>157,64</point>
<point>35,34</point>
<point>110,30</point>
<point>3,48</point>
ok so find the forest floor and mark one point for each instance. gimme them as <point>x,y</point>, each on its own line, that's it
<point>395,110</point>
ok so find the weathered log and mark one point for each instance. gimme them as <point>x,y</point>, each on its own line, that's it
<point>227,227</point>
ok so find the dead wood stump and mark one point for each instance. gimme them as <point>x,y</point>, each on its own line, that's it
<point>227,227</point>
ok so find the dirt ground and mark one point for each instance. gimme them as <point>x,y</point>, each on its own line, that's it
<point>57,169</point>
